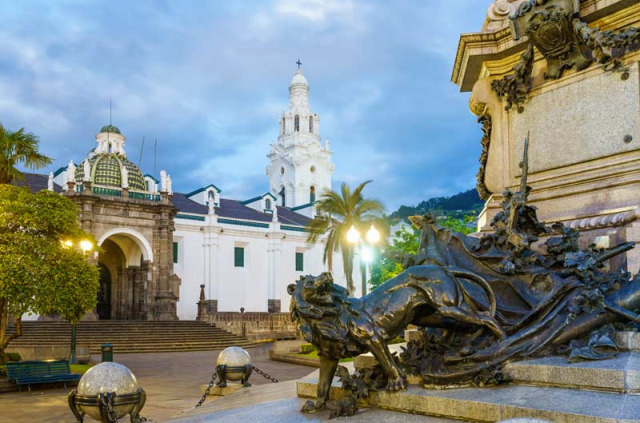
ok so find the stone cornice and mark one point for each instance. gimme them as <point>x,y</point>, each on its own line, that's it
<point>476,48</point>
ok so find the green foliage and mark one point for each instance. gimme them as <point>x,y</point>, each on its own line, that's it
<point>18,148</point>
<point>38,274</point>
<point>337,212</point>
<point>464,225</point>
<point>408,242</point>
<point>457,206</point>
<point>307,348</point>
<point>13,357</point>
<point>405,242</point>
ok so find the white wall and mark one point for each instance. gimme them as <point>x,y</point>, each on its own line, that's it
<point>206,255</point>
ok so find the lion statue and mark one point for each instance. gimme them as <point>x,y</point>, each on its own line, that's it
<point>342,327</point>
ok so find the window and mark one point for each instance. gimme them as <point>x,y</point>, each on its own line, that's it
<point>175,252</point>
<point>282,196</point>
<point>238,256</point>
<point>299,262</point>
<point>311,124</point>
<point>312,194</point>
<point>267,204</point>
<point>282,128</point>
<point>296,124</point>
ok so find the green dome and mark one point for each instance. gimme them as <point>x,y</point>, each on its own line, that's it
<point>110,128</point>
<point>106,171</point>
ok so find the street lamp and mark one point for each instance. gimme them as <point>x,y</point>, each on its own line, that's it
<point>372,237</point>
<point>85,246</point>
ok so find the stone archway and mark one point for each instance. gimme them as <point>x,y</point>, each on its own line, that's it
<point>125,260</point>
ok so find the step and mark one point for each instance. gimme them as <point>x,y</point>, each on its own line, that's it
<point>560,405</point>
<point>6,386</point>
<point>619,374</point>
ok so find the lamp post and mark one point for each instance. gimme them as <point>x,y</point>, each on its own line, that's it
<point>366,255</point>
<point>85,246</point>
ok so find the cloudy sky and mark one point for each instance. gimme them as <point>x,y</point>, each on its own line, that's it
<point>209,80</point>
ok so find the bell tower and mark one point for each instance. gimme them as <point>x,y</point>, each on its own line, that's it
<point>300,167</point>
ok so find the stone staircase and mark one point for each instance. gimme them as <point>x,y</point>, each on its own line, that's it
<point>130,336</point>
<point>550,388</point>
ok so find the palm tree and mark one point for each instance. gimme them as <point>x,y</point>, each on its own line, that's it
<point>18,147</point>
<point>337,213</point>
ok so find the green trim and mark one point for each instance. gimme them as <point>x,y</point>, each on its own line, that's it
<point>243,223</point>
<point>293,228</point>
<point>260,197</point>
<point>190,217</point>
<point>238,256</point>
<point>146,175</point>
<point>59,171</point>
<point>199,190</point>
<point>175,253</point>
<point>299,262</point>
<point>143,196</point>
<point>303,206</point>
<point>106,191</point>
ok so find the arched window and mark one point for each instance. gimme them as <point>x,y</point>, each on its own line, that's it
<point>267,204</point>
<point>311,124</point>
<point>312,194</point>
<point>282,196</point>
<point>296,124</point>
<point>282,128</point>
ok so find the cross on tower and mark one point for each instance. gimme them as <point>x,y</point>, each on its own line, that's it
<point>299,63</point>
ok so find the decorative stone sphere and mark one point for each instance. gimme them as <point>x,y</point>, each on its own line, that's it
<point>234,357</point>
<point>107,377</point>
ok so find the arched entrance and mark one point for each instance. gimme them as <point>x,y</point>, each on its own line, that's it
<point>125,266</point>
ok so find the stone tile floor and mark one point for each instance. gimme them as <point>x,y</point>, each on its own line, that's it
<point>172,382</point>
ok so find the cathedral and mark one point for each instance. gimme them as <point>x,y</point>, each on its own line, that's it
<point>160,248</point>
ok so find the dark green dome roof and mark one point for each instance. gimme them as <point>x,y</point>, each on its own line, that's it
<point>106,171</point>
<point>110,128</point>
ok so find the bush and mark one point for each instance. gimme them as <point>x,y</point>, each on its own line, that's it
<point>3,371</point>
<point>13,357</point>
<point>396,340</point>
<point>307,348</point>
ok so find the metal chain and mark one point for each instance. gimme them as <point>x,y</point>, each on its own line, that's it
<point>265,375</point>
<point>107,402</point>
<point>206,393</point>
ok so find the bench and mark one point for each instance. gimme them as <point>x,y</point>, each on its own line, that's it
<point>36,372</point>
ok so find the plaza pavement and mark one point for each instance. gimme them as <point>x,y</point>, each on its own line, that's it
<point>172,382</point>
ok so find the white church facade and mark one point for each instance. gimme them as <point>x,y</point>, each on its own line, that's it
<point>158,246</point>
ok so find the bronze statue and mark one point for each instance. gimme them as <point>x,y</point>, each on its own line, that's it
<point>480,303</point>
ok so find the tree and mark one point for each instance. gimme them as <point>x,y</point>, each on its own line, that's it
<point>337,213</point>
<point>38,272</point>
<point>404,242</point>
<point>408,242</point>
<point>18,147</point>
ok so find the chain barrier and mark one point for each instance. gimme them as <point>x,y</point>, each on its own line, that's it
<point>265,375</point>
<point>215,375</point>
<point>107,404</point>
<point>206,393</point>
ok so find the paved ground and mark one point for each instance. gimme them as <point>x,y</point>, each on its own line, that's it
<point>172,382</point>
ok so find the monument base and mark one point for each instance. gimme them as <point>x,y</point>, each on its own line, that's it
<point>216,391</point>
<point>549,388</point>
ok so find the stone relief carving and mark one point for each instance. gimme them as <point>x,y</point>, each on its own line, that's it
<point>499,13</point>
<point>487,125</point>
<point>555,29</point>
<point>515,87</point>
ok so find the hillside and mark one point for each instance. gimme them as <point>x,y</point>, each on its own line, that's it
<point>458,205</point>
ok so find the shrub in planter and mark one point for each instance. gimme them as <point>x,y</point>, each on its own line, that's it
<point>13,357</point>
<point>307,348</point>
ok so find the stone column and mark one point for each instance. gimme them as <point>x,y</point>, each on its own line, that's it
<point>165,299</point>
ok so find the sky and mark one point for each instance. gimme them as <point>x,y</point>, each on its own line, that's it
<point>209,80</point>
